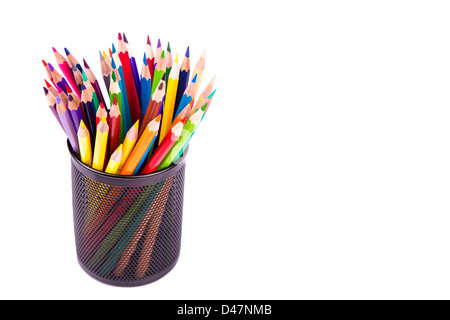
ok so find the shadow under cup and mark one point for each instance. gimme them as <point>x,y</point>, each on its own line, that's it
<point>127,228</point>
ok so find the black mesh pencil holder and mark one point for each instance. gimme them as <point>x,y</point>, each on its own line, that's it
<point>127,228</point>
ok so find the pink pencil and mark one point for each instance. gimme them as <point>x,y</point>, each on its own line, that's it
<point>67,71</point>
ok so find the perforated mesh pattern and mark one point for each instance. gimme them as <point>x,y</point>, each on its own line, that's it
<point>127,235</point>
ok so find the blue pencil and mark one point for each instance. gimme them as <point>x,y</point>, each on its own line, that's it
<point>183,79</point>
<point>187,97</point>
<point>146,86</point>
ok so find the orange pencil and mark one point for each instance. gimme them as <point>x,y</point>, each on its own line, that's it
<point>142,146</point>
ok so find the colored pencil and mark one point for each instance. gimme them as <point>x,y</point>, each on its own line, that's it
<point>67,71</point>
<point>93,80</point>
<point>187,97</point>
<point>106,71</point>
<point>91,90</point>
<point>51,88</point>
<point>154,106</point>
<point>101,143</point>
<point>150,57</point>
<point>128,143</point>
<point>116,94</point>
<point>157,210</point>
<point>134,69</point>
<point>114,126</point>
<point>89,111</point>
<point>131,244</point>
<point>75,109</point>
<point>101,113</point>
<point>84,141</point>
<point>69,128</point>
<point>48,72</point>
<point>51,100</point>
<point>114,161</point>
<point>168,60</point>
<point>76,67</point>
<point>126,114</point>
<point>163,148</point>
<point>185,134</point>
<point>160,70</point>
<point>206,105</point>
<point>169,101</point>
<point>77,74</point>
<point>158,52</point>
<point>58,79</point>
<point>201,100</point>
<point>145,141</point>
<point>146,85</point>
<point>63,96</point>
<point>183,78</point>
<point>199,71</point>
<point>133,99</point>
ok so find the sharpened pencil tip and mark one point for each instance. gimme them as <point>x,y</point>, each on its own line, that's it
<point>70,97</point>
<point>148,41</point>
<point>163,78</point>
<point>168,47</point>
<point>54,50</point>
<point>51,67</point>
<point>101,55</point>
<point>159,43</point>
<point>85,64</point>
<point>45,90</point>
<point>194,80</point>
<point>113,48</point>
<point>45,63</point>
<point>176,58</point>
<point>58,100</point>
<point>120,36</point>
<point>125,37</point>
<point>187,52</point>
<point>212,94</point>
<point>67,51</point>
<point>47,84</point>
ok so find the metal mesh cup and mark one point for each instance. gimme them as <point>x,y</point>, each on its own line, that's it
<point>127,228</point>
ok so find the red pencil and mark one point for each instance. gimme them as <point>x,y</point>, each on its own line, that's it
<point>133,99</point>
<point>150,57</point>
<point>49,73</point>
<point>101,112</point>
<point>114,126</point>
<point>164,148</point>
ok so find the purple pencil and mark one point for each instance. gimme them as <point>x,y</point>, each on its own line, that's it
<point>51,99</point>
<point>69,128</point>
<point>59,80</point>
<point>76,113</point>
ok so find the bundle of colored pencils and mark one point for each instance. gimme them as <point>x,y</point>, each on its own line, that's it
<point>149,118</point>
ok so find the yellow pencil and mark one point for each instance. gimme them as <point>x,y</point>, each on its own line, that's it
<point>128,143</point>
<point>84,140</point>
<point>171,95</point>
<point>114,161</point>
<point>101,142</point>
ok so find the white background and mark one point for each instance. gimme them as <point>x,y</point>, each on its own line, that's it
<point>322,170</point>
